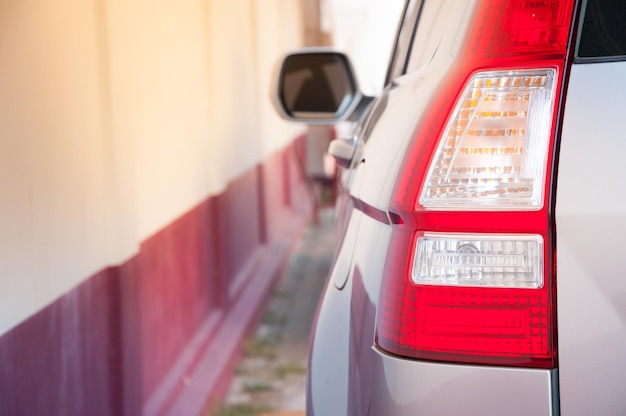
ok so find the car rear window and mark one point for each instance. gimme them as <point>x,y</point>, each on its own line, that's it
<point>603,34</point>
<point>431,26</point>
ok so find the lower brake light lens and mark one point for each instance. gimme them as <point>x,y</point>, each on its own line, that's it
<point>467,314</point>
<point>492,153</point>
<point>507,261</point>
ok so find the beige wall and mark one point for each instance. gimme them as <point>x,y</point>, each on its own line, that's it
<point>116,117</point>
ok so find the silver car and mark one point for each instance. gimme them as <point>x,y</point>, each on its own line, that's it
<point>482,264</point>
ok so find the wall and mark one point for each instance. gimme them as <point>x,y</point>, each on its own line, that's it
<point>366,30</point>
<point>148,192</point>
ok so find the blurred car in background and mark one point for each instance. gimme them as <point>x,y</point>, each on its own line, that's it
<point>481,266</point>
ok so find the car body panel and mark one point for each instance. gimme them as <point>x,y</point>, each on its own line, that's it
<point>405,98</point>
<point>591,225</point>
<point>336,361</point>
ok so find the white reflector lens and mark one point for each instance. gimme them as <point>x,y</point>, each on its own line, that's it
<point>493,152</point>
<point>508,261</point>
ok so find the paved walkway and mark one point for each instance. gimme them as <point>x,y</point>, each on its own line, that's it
<point>270,380</point>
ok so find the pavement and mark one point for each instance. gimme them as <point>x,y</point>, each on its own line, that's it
<point>270,379</point>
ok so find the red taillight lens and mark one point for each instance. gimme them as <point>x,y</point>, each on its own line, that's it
<point>468,276</point>
<point>513,27</point>
<point>464,321</point>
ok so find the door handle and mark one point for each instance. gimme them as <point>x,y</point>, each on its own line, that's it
<point>343,150</point>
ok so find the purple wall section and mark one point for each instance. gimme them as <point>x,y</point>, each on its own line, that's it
<point>65,359</point>
<point>160,333</point>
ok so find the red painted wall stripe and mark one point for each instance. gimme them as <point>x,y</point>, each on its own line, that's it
<point>133,338</point>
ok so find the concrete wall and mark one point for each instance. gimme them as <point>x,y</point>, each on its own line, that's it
<point>146,185</point>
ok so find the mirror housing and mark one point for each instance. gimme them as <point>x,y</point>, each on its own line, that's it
<point>316,86</point>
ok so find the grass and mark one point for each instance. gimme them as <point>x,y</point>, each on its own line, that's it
<point>284,370</point>
<point>240,410</point>
<point>260,347</point>
<point>258,387</point>
<point>274,318</point>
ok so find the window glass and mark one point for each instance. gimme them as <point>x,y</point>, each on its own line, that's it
<point>431,26</point>
<point>404,40</point>
<point>603,33</point>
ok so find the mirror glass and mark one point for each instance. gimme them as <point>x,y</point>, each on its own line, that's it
<point>316,85</point>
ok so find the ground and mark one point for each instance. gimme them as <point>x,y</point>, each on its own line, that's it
<point>270,380</point>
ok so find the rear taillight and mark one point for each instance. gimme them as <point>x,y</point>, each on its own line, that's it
<point>469,275</point>
<point>492,153</point>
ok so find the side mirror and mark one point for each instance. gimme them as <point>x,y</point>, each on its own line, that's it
<point>316,86</point>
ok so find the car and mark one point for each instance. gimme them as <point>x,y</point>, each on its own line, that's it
<point>481,268</point>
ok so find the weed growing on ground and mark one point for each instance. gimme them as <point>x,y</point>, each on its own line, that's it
<point>260,347</point>
<point>287,369</point>
<point>274,318</point>
<point>257,387</point>
<point>243,409</point>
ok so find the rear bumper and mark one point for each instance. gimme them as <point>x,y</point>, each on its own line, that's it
<point>393,386</point>
<point>423,388</point>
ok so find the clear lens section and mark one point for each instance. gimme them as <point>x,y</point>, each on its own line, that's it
<point>493,152</point>
<point>508,261</point>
